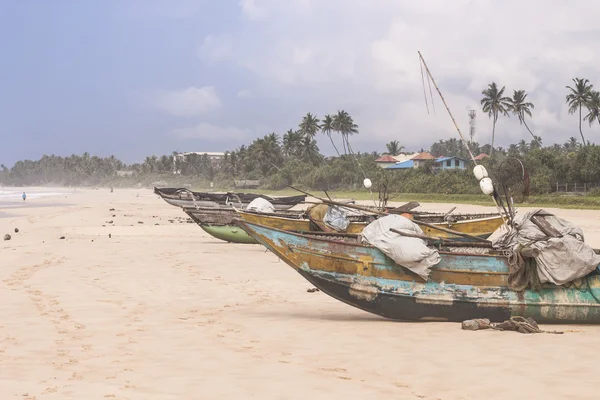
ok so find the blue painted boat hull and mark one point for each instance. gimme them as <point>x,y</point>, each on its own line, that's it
<point>461,286</point>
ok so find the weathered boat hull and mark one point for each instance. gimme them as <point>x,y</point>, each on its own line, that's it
<point>219,223</point>
<point>180,197</point>
<point>462,286</point>
<point>229,233</point>
<point>482,227</point>
<point>187,203</point>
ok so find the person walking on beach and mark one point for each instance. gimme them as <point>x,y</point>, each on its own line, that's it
<point>24,196</point>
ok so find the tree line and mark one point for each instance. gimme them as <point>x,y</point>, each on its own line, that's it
<point>268,160</point>
<point>295,159</point>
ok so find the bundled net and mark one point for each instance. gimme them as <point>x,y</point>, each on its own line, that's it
<point>512,180</point>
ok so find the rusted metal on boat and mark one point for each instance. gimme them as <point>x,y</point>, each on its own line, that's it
<point>465,284</point>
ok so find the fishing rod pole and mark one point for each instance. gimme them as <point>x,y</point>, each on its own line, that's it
<point>447,108</point>
<point>481,171</point>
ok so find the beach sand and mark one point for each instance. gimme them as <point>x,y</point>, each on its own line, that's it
<point>163,311</point>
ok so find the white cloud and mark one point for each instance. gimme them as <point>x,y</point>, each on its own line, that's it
<point>213,133</point>
<point>188,102</point>
<point>362,56</point>
<point>243,94</point>
<point>252,10</point>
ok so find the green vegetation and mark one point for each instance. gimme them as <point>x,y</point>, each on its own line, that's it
<point>294,159</point>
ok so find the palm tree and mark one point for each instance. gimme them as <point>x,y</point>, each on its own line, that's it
<point>344,125</point>
<point>327,128</point>
<point>494,103</point>
<point>291,143</point>
<point>580,96</point>
<point>273,138</point>
<point>519,107</point>
<point>523,147</point>
<point>513,150</point>
<point>266,153</point>
<point>310,125</point>
<point>309,151</point>
<point>394,148</point>
<point>593,108</point>
<point>572,144</point>
<point>536,143</point>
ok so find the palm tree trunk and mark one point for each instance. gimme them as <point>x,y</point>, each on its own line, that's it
<point>493,134</point>
<point>350,151</point>
<point>580,131</point>
<point>532,135</point>
<point>344,144</point>
<point>336,150</point>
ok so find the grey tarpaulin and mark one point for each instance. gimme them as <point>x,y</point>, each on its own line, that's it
<point>562,259</point>
<point>336,218</point>
<point>409,252</point>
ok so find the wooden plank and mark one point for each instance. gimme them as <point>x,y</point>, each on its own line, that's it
<point>453,232</point>
<point>404,208</point>
<point>445,242</point>
<point>545,226</point>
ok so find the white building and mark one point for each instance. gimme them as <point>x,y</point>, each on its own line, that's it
<point>215,158</point>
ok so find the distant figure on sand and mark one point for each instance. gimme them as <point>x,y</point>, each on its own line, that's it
<point>24,196</point>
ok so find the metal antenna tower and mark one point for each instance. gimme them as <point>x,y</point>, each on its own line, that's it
<point>472,115</point>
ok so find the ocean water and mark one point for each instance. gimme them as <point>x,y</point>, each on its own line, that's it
<point>10,199</point>
<point>34,194</point>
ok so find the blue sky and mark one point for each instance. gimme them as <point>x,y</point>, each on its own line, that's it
<point>139,77</point>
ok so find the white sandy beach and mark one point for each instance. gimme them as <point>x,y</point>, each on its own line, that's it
<point>163,311</point>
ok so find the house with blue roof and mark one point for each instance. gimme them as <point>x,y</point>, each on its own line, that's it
<point>450,163</point>
<point>440,163</point>
<point>402,165</point>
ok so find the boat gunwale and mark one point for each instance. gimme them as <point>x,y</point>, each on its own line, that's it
<point>239,221</point>
<point>463,221</point>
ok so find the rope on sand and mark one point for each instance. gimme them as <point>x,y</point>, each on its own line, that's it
<point>517,324</point>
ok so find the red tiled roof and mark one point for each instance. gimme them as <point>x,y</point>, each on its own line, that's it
<point>423,156</point>
<point>387,159</point>
<point>481,156</point>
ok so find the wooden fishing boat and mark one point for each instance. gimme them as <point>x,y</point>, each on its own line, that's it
<point>479,225</point>
<point>219,223</point>
<point>465,284</point>
<point>181,197</point>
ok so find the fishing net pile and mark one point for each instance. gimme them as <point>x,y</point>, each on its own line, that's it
<point>563,255</point>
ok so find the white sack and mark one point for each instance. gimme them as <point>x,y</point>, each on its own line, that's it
<point>261,205</point>
<point>411,253</point>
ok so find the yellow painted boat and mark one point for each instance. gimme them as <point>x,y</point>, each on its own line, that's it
<point>480,225</point>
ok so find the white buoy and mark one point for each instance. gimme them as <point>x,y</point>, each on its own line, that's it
<point>486,185</point>
<point>480,172</point>
<point>367,183</point>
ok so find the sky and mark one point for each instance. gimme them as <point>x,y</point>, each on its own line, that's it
<point>132,78</point>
